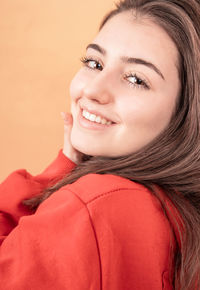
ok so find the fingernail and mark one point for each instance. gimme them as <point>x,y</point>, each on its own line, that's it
<point>66,117</point>
<point>62,114</point>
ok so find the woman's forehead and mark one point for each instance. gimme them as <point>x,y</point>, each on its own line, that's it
<point>141,38</point>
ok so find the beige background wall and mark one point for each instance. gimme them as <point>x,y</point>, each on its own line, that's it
<point>41,43</point>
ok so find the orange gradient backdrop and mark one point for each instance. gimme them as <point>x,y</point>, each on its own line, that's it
<point>41,43</point>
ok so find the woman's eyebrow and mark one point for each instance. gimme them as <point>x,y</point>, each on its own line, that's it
<point>127,59</point>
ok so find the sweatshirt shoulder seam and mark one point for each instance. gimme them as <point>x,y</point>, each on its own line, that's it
<point>113,191</point>
<point>94,231</point>
<point>105,193</point>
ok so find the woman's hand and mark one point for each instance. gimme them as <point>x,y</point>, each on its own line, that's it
<point>68,149</point>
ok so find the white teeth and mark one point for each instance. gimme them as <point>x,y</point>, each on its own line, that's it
<point>94,118</point>
<point>103,121</point>
<point>87,115</point>
<point>98,119</point>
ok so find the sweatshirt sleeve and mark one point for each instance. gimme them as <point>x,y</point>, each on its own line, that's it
<point>135,240</point>
<point>21,185</point>
<point>55,248</point>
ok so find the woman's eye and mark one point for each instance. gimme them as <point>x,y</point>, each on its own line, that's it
<point>91,63</point>
<point>137,81</point>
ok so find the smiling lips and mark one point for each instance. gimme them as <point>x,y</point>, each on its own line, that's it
<point>95,118</point>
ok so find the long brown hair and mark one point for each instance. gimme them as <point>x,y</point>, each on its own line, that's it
<point>172,160</point>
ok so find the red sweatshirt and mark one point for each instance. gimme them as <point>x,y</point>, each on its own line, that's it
<point>101,232</point>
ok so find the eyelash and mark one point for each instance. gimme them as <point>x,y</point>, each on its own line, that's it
<point>143,84</point>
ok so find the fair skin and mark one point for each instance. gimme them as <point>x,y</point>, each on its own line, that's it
<point>139,99</point>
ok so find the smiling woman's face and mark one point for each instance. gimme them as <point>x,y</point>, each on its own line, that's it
<point>130,79</point>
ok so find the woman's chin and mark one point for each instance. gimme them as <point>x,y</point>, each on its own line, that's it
<point>83,148</point>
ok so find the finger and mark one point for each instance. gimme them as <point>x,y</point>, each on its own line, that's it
<point>67,117</point>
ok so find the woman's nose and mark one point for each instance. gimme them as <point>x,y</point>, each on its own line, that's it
<point>99,89</point>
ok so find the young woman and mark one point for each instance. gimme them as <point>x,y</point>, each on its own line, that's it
<point>119,208</point>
